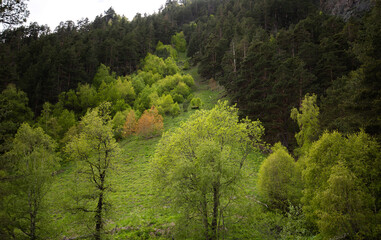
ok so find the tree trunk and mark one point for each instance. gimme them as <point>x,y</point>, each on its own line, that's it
<point>216,206</point>
<point>204,207</point>
<point>300,91</point>
<point>98,215</point>
<point>32,226</point>
<point>234,60</point>
<point>32,213</point>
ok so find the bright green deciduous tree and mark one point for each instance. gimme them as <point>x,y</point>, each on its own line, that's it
<point>171,67</point>
<point>308,120</point>
<point>344,206</point>
<point>182,89</point>
<point>200,163</point>
<point>94,150</point>
<point>342,185</point>
<point>34,161</point>
<point>87,97</point>
<point>148,77</point>
<point>165,51</point>
<point>179,42</point>
<point>144,101</point>
<point>279,180</point>
<point>55,121</point>
<point>154,64</point>
<point>103,74</point>
<point>118,121</point>
<point>14,111</point>
<point>164,104</point>
<point>175,109</point>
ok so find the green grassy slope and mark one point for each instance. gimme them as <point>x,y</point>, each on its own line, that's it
<point>136,214</point>
<point>132,212</point>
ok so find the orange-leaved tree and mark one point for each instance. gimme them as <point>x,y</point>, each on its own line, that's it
<point>130,124</point>
<point>150,123</point>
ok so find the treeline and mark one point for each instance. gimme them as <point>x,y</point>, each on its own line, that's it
<point>44,64</point>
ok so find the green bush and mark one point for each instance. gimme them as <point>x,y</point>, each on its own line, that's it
<point>177,97</point>
<point>182,89</point>
<point>186,65</point>
<point>175,109</point>
<point>196,103</point>
<point>279,179</point>
<point>165,51</point>
<point>164,104</point>
<point>179,42</point>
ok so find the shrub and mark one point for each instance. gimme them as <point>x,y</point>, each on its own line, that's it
<point>196,103</point>
<point>179,42</point>
<point>118,122</point>
<point>171,67</point>
<point>175,109</point>
<point>278,179</point>
<point>182,89</point>
<point>129,124</point>
<point>150,123</point>
<point>177,97</point>
<point>165,104</point>
<point>165,51</point>
<point>186,65</point>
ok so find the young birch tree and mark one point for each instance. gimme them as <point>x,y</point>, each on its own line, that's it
<point>94,149</point>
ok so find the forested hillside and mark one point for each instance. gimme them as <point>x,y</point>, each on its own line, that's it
<point>210,119</point>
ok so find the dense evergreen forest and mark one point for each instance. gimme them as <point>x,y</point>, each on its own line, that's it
<point>211,119</point>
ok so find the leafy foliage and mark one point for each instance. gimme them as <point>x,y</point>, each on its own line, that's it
<point>14,111</point>
<point>118,122</point>
<point>179,42</point>
<point>94,150</point>
<point>279,180</point>
<point>130,124</point>
<point>150,123</point>
<point>34,161</point>
<point>308,122</point>
<point>196,103</point>
<point>342,185</point>
<point>165,51</point>
<point>199,164</point>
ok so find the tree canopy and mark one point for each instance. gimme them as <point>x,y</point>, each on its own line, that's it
<point>199,164</point>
